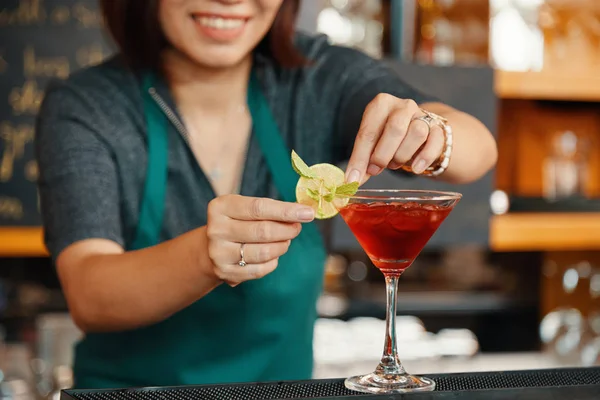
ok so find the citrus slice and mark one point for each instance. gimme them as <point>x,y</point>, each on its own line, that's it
<point>322,187</point>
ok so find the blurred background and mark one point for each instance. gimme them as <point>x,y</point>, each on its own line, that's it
<point>510,281</point>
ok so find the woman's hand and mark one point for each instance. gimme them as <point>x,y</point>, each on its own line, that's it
<point>390,136</point>
<point>265,228</point>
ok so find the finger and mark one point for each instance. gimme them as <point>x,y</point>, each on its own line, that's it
<point>418,132</point>
<point>394,133</point>
<point>364,180</point>
<point>234,274</point>
<point>371,128</point>
<point>431,151</point>
<point>261,231</point>
<point>260,209</point>
<point>253,253</point>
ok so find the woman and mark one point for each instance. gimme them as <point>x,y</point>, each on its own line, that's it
<point>159,166</point>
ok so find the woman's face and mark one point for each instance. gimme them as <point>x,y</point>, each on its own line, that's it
<point>216,33</point>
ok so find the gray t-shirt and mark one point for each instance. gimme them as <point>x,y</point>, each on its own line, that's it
<point>91,141</point>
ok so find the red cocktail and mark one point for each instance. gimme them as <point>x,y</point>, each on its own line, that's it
<point>393,234</point>
<point>393,226</point>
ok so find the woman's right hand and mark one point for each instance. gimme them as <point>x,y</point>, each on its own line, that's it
<point>266,227</point>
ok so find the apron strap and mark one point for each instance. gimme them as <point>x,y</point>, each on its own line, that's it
<point>275,151</point>
<point>153,199</point>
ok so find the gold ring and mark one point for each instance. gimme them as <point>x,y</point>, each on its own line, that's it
<point>242,262</point>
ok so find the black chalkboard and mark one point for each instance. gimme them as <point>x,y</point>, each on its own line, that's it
<point>39,40</point>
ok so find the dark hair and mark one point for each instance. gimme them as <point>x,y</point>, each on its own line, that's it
<point>135,27</point>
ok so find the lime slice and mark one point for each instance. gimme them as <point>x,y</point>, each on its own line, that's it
<point>319,192</point>
<point>322,187</point>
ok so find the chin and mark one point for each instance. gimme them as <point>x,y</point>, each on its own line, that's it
<point>219,58</point>
<point>219,62</point>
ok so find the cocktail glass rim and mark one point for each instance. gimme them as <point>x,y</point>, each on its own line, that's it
<point>397,195</point>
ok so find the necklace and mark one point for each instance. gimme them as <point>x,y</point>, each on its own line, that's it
<point>216,172</point>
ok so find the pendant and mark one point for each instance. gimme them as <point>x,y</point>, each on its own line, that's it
<point>215,174</point>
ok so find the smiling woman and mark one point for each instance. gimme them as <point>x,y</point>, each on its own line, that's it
<point>168,197</point>
<point>132,24</point>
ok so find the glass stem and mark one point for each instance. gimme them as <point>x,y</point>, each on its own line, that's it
<point>390,363</point>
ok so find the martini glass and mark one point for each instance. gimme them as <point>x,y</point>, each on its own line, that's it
<point>392,227</point>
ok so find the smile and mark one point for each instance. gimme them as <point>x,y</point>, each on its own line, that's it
<point>220,22</point>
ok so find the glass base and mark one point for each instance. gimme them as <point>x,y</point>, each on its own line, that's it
<point>388,383</point>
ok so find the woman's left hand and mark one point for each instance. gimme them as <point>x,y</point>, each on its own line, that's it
<point>390,136</point>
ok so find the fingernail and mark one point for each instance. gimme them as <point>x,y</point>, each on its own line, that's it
<point>373,170</point>
<point>306,214</point>
<point>353,176</point>
<point>419,166</point>
<point>394,165</point>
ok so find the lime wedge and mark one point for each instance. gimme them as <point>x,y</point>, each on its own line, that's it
<point>322,187</point>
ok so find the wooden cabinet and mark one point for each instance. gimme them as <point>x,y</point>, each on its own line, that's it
<point>533,109</point>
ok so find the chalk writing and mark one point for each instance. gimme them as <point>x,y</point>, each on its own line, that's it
<point>27,12</point>
<point>34,65</point>
<point>32,171</point>
<point>45,39</point>
<point>11,207</point>
<point>15,138</point>
<point>32,13</point>
<point>87,17</point>
<point>26,99</point>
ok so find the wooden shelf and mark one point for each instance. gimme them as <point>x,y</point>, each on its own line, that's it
<point>22,242</point>
<point>547,86</point>
<point>509,232</point>
<point>545,232</point>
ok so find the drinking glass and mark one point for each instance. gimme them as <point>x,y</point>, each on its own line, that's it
<point>392,227</point>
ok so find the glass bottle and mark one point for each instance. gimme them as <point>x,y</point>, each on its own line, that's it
<point>565,168</point>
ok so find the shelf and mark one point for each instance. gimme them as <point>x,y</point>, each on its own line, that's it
<point>545,232</point>
<point>509,232</point>
<point>547,86</point>
<point>22,242</point>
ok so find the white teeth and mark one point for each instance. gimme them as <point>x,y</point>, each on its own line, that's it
<point>220,23</point>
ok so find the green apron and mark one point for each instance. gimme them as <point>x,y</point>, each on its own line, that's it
<point>261,330</point>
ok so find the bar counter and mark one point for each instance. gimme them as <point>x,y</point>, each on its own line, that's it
<point>567,383</point>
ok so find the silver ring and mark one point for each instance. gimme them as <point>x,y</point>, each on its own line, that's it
<point>425,118</point>
<point>242,262</point>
